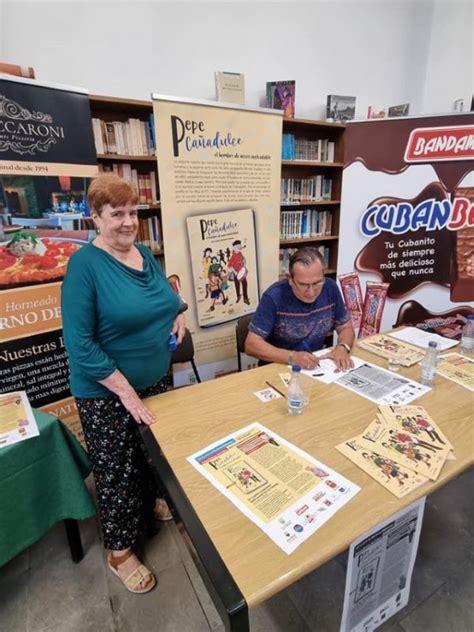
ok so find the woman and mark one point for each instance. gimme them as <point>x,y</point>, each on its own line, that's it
<point>118,311</point>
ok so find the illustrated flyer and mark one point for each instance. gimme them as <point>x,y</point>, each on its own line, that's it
<point>286,492</point>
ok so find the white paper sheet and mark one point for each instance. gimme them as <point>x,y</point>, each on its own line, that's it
<point>422,338</point>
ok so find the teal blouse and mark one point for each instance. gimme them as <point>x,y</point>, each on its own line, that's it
<point>115,317</point>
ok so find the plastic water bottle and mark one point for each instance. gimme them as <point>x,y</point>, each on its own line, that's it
<point>467,340</point>
<point>428,364</point>
<point>296,396</point>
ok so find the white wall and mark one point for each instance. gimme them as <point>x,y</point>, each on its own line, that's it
<point>383,52</point>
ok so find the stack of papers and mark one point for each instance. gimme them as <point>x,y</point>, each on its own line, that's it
<point>401,449</point>
<point>387,347</point>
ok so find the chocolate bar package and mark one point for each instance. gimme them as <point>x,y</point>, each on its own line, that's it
<point>352,293</point>
<point>462,267</point>
<point>374,303</point>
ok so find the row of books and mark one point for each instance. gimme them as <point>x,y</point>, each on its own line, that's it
<point>310,189</point>
<point>145,183</point>
<point>285,254</point>
<point>133,137</point>
<point>305,223</point>
<point>150,232</point>
<point>321,150</point>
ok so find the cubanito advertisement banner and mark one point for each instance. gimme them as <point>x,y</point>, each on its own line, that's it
<point>407,218</point>
<point>46,155</point>
<point>219,173</point>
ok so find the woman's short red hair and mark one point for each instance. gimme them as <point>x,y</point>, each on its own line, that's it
<point>109,188</point>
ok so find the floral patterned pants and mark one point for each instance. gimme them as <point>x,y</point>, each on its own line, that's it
<point>125,486</point>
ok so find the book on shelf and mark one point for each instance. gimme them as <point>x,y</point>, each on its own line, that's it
<point>311,189</point>
<point>305,223</point>
<point>150,232</point>
<point>376,112</point>
<point>281,96</point>
<point>145,183</point>
<point>230,87</point>
<point>399,110</point>
<point>340,108</point>
<point>133,137</point>
<point>285,254</point>
<point>296,148</point>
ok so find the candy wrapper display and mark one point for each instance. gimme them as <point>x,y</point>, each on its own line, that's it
<point>374,303</point>
<point>351,290</point>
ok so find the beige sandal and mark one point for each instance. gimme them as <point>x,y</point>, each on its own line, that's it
<point>162,511</point>
<point>140,574</point>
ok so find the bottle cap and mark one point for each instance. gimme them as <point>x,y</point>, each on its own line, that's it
<point>296,368</point>
<point>433,344</point>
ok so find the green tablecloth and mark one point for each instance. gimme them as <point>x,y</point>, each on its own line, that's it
<point>41,482</point>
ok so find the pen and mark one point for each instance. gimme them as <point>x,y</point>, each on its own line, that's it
<point>275,389</point>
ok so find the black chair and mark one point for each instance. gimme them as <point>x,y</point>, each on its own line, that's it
<point>241,330</point>
<point>185,353</point>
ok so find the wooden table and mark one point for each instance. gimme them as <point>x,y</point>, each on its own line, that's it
<point>240,563</point>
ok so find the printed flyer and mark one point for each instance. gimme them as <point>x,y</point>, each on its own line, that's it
<point>458,368</point>
<point>379,570</point>
<point>387,347</point>
<point>287,493</point>
<point>17,421</point>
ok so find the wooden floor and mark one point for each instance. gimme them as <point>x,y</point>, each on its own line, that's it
<point>42,590</point>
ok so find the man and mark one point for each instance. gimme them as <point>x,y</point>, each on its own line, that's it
<point>236,265</point>
<point>296,314</point>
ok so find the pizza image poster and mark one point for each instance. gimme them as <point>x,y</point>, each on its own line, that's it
<point>224,265</point>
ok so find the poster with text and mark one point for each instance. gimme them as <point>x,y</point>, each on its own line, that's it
<point>47,154</point>
<point>218,166</point>
<point>407,217</point>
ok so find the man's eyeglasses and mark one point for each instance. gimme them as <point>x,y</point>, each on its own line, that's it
<point>305,287</point>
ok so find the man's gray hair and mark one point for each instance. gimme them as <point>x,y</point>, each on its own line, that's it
<point>306,256</point>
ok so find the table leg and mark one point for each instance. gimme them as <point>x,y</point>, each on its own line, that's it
<point>221,586</point>
<point>74,539</point>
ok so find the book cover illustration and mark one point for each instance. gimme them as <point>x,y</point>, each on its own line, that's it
<point>281,96</point>
<point>340,108</point>
<point>230,87</point>
<point>224,265</point>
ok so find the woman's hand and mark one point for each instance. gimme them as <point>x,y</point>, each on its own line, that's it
<point>137,408</point>
<point>179,327</point>
<point>118,384</point>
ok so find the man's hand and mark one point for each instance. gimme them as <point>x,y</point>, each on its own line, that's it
<point>340,357</point>
<point>305,359</point>
<point>179,326</point>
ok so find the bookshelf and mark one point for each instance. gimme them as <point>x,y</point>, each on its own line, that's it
<point>124,138</point>
<point>311,171</point>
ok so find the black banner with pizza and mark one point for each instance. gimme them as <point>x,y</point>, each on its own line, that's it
<point>47,154</point>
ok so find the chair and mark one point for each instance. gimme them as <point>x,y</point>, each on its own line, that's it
<point>185,353</point>
<point>241,330</point>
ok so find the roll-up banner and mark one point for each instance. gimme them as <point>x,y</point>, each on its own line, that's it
<point>46,153</point>
<point>407,220</point>
<point>219,171</point>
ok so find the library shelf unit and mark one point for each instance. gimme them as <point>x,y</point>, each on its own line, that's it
<point>140,167</point>
<point>310,136</point>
